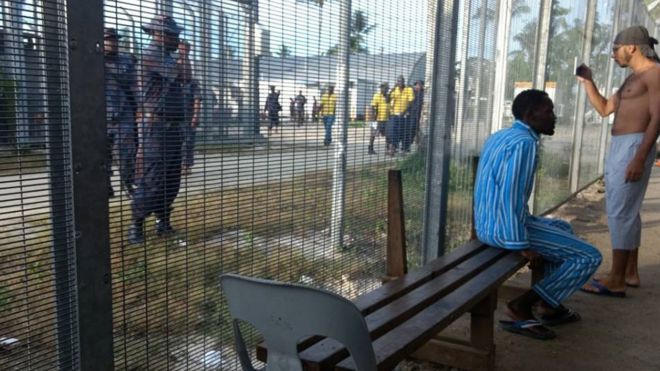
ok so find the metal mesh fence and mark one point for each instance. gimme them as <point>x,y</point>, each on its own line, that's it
<point>280,144</point>
<point>255,137</point>
<point>37,289</point>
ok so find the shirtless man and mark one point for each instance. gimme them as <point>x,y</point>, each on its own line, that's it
<point>636,108</point>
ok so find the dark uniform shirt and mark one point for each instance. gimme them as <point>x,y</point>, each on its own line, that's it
<point>272,104</point>
<point>161,92</point>
<point>119,90</point>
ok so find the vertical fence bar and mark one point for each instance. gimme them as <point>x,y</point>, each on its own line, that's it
<point>608,88</point>
<point>88,146</point>
<point>462,76</point>
<point>342,88</point>
<point>501,63</point>
<point>442,56</point>
<point>58,152</point>
<point>578,128</point>
<point>542,41</point>
<point>540,60</point>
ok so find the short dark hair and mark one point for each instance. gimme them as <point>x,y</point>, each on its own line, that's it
<point>526,101</point>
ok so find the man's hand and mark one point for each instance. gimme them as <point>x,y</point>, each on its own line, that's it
<point>583,73</point>
<point>634,170</point>
<point>194,122</point>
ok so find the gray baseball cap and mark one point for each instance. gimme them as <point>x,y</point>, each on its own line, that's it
<point>635,35</point>
<point>163,23</point>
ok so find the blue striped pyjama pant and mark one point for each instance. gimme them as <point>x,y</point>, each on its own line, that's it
<point>569,261</point>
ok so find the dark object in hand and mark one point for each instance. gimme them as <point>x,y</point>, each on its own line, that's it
<point>582,70</point>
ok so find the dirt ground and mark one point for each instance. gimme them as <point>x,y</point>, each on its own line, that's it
<point>614,334</point>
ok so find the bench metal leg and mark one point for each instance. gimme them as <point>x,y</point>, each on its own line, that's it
<point>476,354</point>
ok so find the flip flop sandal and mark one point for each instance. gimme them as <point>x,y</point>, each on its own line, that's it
<point>566,316</point>
<point>627,284</point>
<point>526,328</point>
<point>600,289</point>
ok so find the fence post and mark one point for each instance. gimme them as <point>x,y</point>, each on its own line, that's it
<point>578,128</point>
<point>396,231</point>
<point>501,63</point>
<point>540,60</point>
<point>90,199</point>
<point>441,54</point>
<point>340,143</point>
<point>608,88</point>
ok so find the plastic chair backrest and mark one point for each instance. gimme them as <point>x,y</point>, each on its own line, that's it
<point>285,314</point>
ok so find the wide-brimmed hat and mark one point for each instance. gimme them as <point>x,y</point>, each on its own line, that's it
<point>164,24</point>
<point>111,33</point>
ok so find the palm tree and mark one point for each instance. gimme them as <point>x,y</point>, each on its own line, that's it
<point>360,28</point>
<point>283,52</point>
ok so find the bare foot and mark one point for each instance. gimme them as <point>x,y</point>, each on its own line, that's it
<point>632,281</point>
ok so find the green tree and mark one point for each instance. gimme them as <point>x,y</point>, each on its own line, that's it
<point>283,52</point>
<point>360,28</point>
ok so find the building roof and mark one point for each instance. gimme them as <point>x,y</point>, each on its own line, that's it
<point>372,67</point>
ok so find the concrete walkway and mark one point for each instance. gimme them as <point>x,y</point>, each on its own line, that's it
<point>614,334</point>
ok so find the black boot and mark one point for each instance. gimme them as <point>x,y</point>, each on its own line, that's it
<point>163,226</point>
<point>136,232</point>
<point>371,150</point>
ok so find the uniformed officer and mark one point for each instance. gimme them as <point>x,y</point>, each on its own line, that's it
<point>120,79</point>
<point>160,119</point>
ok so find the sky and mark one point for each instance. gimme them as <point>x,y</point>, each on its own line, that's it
<point>400,26</point>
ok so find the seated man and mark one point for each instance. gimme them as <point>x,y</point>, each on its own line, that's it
<point>502,219</point>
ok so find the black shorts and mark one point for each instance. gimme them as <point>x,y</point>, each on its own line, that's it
<point>274,121</point>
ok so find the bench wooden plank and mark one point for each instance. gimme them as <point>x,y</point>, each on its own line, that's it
<point>329,351</point>
<point>394,346</point>
<point>392,290</point>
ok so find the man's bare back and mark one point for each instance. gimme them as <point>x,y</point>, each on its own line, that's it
<point>632,113</point>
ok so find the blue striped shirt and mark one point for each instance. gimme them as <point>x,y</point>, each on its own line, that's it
<point>503,186</point>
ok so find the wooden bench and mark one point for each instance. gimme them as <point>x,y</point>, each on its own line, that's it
<point>406,314</point>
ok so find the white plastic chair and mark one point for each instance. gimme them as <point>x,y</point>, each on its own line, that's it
<point>285,314</point>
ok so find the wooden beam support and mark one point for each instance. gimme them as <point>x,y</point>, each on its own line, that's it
<point>397,265</point>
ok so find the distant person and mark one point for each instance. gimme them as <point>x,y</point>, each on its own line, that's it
<point>158,163</point>
<point>292,110</point>
<point>416,110</point>
<point>316,108</point>
<point>273,108</point>
<point>380,111</point>
<point>636,108</point>
<point>192,104</point>
<point>121,106</point>
<point>401,98</point>
<point>300,102</point>
<point>503,186</point>
<point>328,108</point>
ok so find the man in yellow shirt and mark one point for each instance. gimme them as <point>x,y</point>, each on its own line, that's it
<point>380,111</point>
<point>328,107</point>
<point>401,98</point>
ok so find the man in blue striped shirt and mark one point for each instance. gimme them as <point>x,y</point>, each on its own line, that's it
<point>502,219</point>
